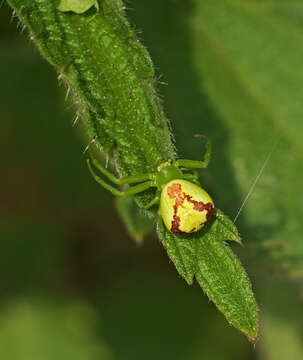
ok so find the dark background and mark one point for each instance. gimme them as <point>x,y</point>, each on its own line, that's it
<point>73,283</point>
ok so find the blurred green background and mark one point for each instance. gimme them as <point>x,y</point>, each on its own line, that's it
<point>73,284</point>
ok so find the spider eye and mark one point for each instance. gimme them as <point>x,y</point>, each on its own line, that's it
<point>185,207</point>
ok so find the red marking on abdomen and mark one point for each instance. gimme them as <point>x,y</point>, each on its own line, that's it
<point>200,206</point>
<point>174,191</point>
<point>176,223</point>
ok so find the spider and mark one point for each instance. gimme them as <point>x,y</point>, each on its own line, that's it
<point>184,206</point>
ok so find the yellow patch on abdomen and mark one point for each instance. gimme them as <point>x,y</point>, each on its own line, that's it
<point>185,207</point>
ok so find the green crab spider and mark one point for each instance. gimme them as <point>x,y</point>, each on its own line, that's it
<point>184,206</point>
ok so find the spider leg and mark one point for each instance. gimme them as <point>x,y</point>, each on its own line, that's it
<point>191,177</point>
<point>119,181</point>
<point>155,201</point>
<point>131,191</point>
<point>196,164</point>
<point>195,173</point>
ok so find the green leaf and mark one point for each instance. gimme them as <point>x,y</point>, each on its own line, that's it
<point>218,271</point>
<point>77,6</point>
<point>249,59</point>
<point>112,78</point>
<point>136,222</point>
<point>113,81</point>
<point>243,88</point>
<point>224,228</point>
<point>225,282</point>
<point>181,252</point>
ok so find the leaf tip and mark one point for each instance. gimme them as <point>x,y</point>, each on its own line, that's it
<point>253,334</point>
<point>253,339</point>
<point>238,240</point>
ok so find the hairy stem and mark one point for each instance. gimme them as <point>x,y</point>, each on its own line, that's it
<point>111,75</point>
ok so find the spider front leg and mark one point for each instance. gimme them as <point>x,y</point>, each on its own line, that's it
<point>120,181</point>
<point>196,164</point>
<point>192,177</point>
<point>154,201</point>
<point>131,191</point>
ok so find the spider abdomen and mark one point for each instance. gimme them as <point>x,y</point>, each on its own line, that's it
<point>185,207</point>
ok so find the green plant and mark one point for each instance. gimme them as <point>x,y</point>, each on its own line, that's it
<point>112,77</point>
